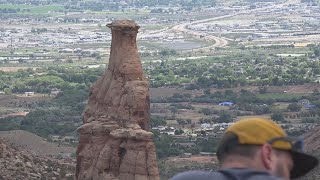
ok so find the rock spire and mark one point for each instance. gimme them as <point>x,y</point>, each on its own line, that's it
<point>115,143</point>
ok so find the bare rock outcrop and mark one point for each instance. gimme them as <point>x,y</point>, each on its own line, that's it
<point>17,165</point>
<point>115,143</point>
<point>312,139</point>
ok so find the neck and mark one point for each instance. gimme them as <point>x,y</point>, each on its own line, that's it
<point>241,162</point>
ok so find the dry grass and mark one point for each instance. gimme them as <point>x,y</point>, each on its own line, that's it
<point>254,116</point>
<point>15,114</point>
<point>165,92</point>
<point>192,159</point>
<point>190,114</point>
<point>26,141</point>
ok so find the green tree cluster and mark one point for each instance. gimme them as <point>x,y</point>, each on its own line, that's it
<point>60,117</point>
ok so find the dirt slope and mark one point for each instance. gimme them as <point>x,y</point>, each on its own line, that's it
<point>16,165</point>
<point>26,141</point>
<point>312,139</point>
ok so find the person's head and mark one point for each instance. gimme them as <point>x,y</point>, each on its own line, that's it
<point>263,145</point>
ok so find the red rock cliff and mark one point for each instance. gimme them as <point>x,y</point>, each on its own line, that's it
<point>114,140</point>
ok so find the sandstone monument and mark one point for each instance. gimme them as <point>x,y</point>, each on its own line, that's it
<point>114,140</point>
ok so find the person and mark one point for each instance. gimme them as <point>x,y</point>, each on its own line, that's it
<point>256,149</point>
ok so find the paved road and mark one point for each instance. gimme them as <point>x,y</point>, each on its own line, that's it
<point>220,41</point>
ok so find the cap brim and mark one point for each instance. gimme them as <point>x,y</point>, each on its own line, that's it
<point>303,163</point>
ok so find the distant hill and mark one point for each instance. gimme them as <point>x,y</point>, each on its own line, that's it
<point>36,145</point>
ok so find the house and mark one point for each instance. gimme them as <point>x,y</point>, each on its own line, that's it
<point>205,125</point>
<point>207,154</point>
<point>29,93</point>
<point>226,104</point>
<point>171,133</point>
<point>309,106</point>
<point>304,102</point>
<point>193,135</point>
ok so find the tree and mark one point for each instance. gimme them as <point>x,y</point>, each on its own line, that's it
<point>69,61</point>
<point>33,30</point>
<point>206,111</point>
<point>207,92</point>
<point>178,132</point>
<point>98,57</point>
<point>157,121</point>
<point>181,122</point>
<point>263,90</point>
<point>163,143</point>
<point>173,110</point>
<point>31,56</point>
<point>173,52</point>
<point>7,91</point>
<point>316,52</point>
<point>203,81</point>
<point>277,116</point>
<point>294,107</point>
<point>224,116</point>
<point>164,52</point>
<point>21,60</point>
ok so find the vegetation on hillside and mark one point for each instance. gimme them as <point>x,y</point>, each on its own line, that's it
<point>251,68</point>
<point>60,116</point>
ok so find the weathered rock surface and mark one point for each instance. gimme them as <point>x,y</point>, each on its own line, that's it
<point>17,165</point>
<point>114,140</point>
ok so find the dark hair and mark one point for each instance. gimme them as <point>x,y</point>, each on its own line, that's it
<point>229,145</point>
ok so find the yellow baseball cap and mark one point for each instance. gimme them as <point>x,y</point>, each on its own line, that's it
<point>258,131</point>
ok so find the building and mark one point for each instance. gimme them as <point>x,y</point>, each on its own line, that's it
<point>207,154</point>
<point>29,93</point>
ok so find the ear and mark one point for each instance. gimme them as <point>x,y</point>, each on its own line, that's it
<point>266,156</point>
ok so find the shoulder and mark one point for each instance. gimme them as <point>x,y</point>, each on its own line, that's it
<point>247,174</point>
<point>198,175</point>
<point>225,174</point>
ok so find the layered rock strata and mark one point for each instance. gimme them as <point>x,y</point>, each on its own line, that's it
<point>115,143</point>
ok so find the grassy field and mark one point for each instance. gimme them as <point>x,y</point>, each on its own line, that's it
<point>128,12</point>
<point>46,9</point>
<point>33,9</point>
<point>253,116</point>
<point>15,6</point>
<point>280,96</point>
